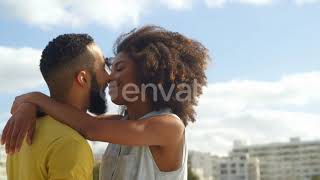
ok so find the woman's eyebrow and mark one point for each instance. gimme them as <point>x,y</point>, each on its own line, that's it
<point>117,63</point>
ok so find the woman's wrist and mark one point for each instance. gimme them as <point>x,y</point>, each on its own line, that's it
<point>29,107</point>
<point>36,98</point>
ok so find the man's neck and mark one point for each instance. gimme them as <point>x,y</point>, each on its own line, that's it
<point>76,102</point>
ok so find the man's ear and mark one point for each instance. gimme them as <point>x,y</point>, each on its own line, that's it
<point>83,78</point>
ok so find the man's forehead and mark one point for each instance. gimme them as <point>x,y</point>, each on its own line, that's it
<point>94,48</point>
<point>96,52</point>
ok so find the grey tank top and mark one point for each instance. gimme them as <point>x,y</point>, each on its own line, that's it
<point>122,162</point>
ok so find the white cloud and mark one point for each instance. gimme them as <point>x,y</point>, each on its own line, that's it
<point>257,111</point>
<point>19,68</point>
<point>107,13</point>
<point>178,4</point>
<point>222,3</point>
<point>75,13</point>
<point>215,3</point>
<point>48,13</point>
<point>255,2</point>
<point>305,2</point>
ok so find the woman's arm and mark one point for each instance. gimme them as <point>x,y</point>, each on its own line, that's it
<point>158,130</point>
<point>23,122</point>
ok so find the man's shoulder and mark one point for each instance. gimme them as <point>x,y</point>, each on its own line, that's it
<point>54,130</point>
<point>68,153</point>
<point>63,139</point>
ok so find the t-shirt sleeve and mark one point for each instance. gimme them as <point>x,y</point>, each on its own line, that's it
<point>69,159</point>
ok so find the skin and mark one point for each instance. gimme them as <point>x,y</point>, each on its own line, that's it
<point>163,134</point>
<point>77,97</point>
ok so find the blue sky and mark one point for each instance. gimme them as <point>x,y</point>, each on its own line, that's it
<point>263,77</point>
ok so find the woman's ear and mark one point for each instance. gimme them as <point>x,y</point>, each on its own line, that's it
<point>82,79</point>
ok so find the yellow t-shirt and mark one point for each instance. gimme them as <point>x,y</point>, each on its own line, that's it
<point>57,152</point>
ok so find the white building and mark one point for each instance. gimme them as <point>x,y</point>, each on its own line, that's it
<point>204,165</point>
<point>239,167</point>
<point>234,167</point>
<point>294,160</point>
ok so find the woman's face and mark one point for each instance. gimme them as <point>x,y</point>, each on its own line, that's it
<point>123,83</point>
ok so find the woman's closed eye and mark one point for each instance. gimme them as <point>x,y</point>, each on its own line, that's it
<point>119,67</point>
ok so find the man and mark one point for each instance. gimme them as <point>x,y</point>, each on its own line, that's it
<point>74,70</point>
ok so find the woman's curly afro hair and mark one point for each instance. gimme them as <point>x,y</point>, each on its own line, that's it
<point>167,58</point>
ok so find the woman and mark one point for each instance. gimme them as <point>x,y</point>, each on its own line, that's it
<point>155,72</point>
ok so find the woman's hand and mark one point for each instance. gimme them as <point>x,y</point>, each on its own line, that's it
<point>22,122</point>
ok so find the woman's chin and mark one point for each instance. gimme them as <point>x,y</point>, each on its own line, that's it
<point>117,101</point>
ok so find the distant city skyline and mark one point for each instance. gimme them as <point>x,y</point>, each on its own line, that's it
<point>295,159</point>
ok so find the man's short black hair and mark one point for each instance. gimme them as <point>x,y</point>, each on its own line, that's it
<point>61,58</point>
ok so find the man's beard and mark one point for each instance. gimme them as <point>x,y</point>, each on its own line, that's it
<point>98,101</point>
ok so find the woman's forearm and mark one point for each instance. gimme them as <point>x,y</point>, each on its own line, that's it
<point>129,132</point>
<point>67,114</point>
<point>92,128</point>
